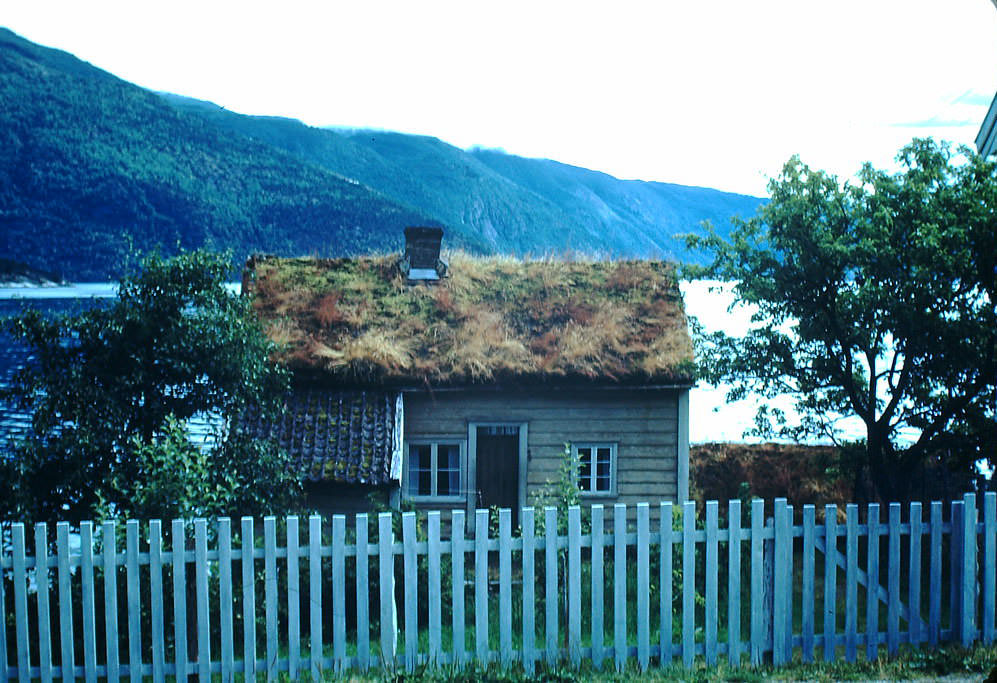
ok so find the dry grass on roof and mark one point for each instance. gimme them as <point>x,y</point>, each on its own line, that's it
<point>492,318</point>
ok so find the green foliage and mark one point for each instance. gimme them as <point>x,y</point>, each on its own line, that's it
<point>561,492</point>
<point>874,299</point>
<point>110,388</point>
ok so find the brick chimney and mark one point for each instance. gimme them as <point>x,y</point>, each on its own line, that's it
<point>421,261</point>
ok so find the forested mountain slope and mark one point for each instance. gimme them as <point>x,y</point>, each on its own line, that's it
<point>92,168</point>
<point>509,203</point>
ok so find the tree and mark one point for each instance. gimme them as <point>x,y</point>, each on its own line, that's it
<point>110,390</point>
<point>874,298</point>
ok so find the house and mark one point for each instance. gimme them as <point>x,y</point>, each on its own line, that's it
<point>458,385</point>
<point>986,138</point>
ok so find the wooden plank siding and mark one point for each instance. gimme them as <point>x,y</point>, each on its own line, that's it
<point>644,425</point>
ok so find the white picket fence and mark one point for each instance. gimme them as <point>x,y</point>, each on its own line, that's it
<point>787,583</point>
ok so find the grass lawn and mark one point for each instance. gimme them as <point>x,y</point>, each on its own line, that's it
<point>953,663</point>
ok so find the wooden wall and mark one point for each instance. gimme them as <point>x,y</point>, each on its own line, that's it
<point>643,424</point>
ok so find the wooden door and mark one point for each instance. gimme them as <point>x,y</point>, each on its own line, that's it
<point>498,468</point>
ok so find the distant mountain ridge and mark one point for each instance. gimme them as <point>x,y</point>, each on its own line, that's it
<point>91,165</point>
<point>512,204</point>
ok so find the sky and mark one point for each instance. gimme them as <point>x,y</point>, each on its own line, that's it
<point>711,93</point>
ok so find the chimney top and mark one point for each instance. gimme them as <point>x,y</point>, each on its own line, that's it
<point>421,260</point>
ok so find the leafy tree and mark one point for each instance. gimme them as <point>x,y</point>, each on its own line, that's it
<point>873,298</point>
<point>109,391</point>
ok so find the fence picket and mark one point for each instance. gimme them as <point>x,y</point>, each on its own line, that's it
<point>665,581</point>
<point>315,662</point>
<point>293,599</point>
<point>87,596</point>
<point>435,587</point>
<point>157,626</point>
<point>505,587</point>
<point>134,602</point>
<point>935,577</point>
<point>758,625</point>
<point>712,613</point>
<point>201,589</point>
<point>914,577</point>
<point>851,581</point>
<point>830,581</point>
<point>807,594</point>
<point>967,607</point>
<point>893,583</point>
<point>4,664</point>
<point>551,585</point>
<point>872,572</point>
<point>179,548</point>
<point>42,603</point>
<point>781,585</point>
<point>688,583</point>
<point>481,586</point>
<point>574,585</point>
<point>21,603</point>
<point>620,585</point>
<point>989,564</point>
<point>270,594</point>
<point>363,592</point>
<point>734,583</point>
<point>386,574</point>
<point>598,575</point>
<point>955,567</point>
<point>457,521</point>
<point>109,541</point>
<point>643,586</point>
<point>339,591</point>
<point>529,597</point>
<point>247,563</point>
<point>226,599</point>
<point>68,655</point>
<point>411,596</point>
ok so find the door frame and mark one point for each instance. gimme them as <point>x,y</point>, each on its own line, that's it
<point>472,460</point>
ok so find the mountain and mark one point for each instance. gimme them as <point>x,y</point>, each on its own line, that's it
<point>512,204</point>
<point>14,274</point>
<point>92,167</point>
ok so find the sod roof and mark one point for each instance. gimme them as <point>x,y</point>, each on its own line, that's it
<point>493,319</point>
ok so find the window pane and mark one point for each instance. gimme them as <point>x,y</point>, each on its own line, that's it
<point>604,463</point>
<point>448,472</point>
<point>585,469</point>
<point>604,460</point>
<point>420,470</point>
<point>449,456</point>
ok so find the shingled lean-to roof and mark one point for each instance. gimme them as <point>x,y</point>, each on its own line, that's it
<point>351,437</point>
<point>356,321</point>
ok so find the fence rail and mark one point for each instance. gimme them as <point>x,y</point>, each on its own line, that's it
<point>567,586</point>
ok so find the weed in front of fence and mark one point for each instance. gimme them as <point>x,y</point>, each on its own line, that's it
<point>973,664</point>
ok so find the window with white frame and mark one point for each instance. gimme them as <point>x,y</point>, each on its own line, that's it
<point>596,468</point>
<point>433,469</point>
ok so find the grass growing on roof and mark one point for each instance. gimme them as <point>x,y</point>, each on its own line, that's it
<point>493,318</point>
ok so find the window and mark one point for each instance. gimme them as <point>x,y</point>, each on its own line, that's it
<point>596,468</point>
<point>433,470</point>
